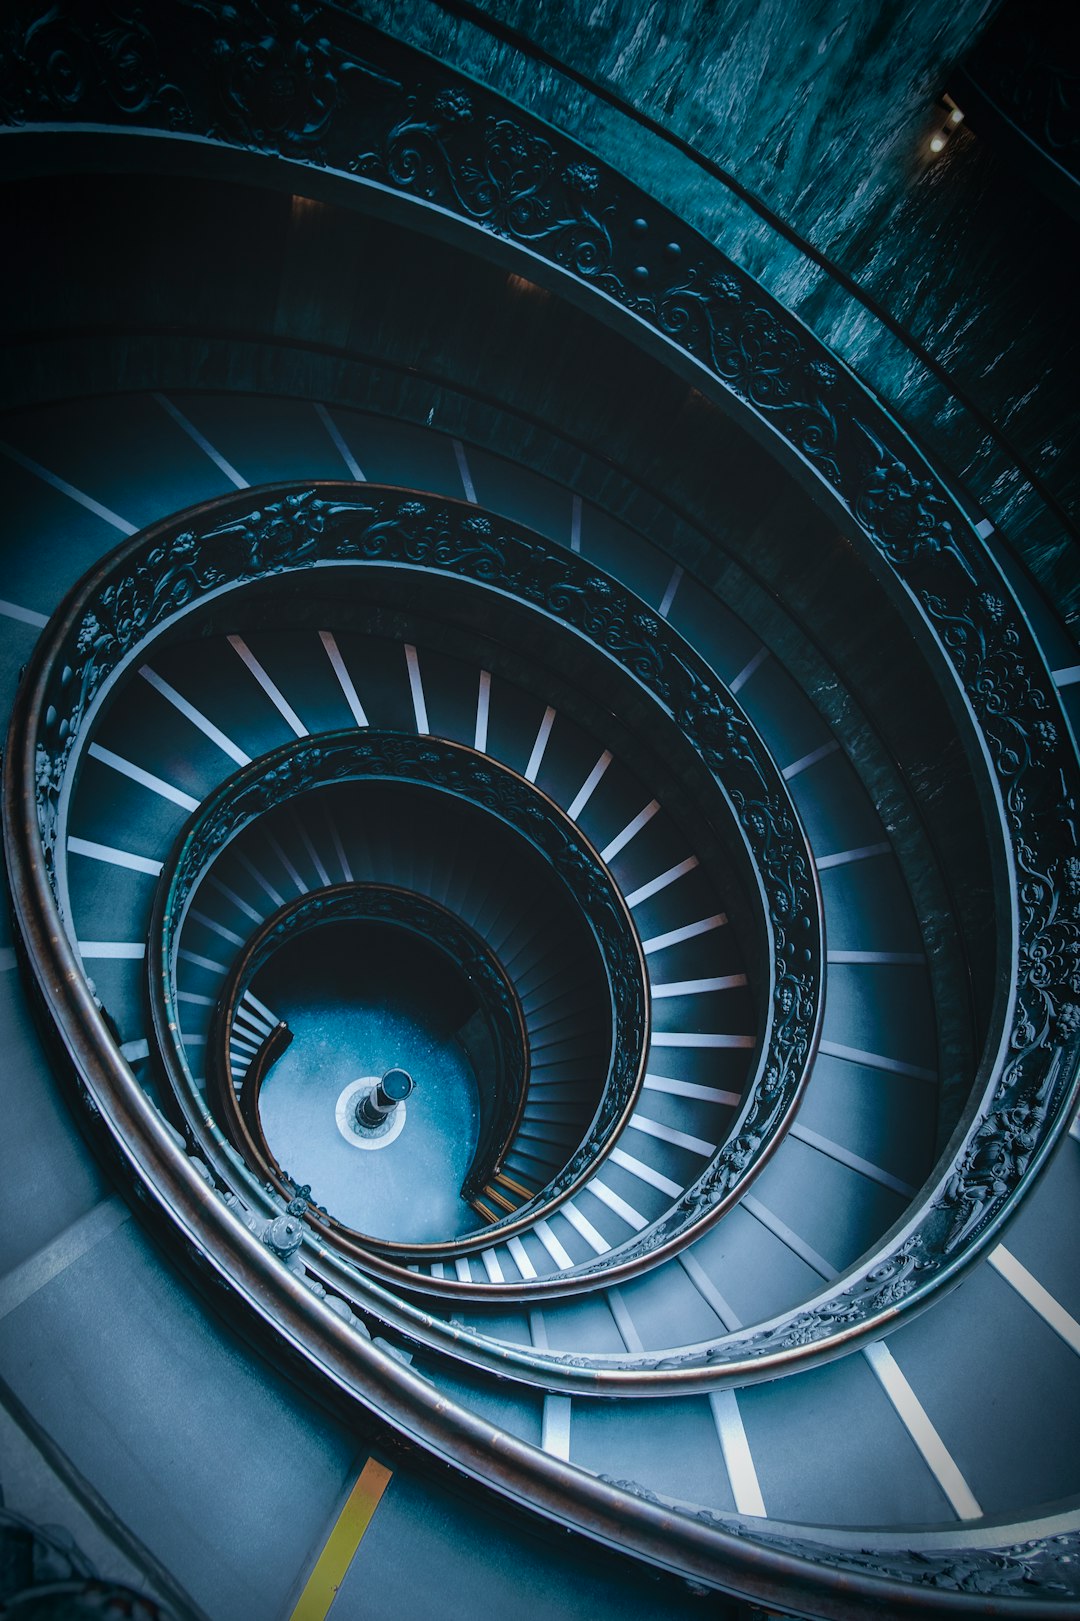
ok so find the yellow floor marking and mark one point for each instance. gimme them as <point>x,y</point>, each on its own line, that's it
<point>322,1585</point>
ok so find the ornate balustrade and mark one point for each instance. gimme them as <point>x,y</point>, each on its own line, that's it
<point>1022,1095</point>
<point>153,585</point>
<point>502,1085</point>
<point>429,765</point>
<point>325,89</point>
<point>244,1105</point>
<point>459,158</point>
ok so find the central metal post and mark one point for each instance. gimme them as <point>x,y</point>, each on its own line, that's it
<point>375,1107</point>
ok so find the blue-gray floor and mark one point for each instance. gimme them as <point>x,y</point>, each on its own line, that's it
<point>353,1016</point>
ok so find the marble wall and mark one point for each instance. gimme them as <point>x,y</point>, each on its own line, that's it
<point>823,111</point>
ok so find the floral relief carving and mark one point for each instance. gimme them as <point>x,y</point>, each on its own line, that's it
<point>302,528</point>
<point>1045,1566</point>
<point>318,85</point>
<point>432,762</point>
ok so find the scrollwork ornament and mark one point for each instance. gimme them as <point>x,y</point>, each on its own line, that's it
<point>902,509</point>
<point>322,87</point>
<point>305,528</point>
<point>495,995</point>
<point>55,64</point>
<point>1041,1567</point>
<point>501,174</point>
<point>281,81</point>
<point>446,767</point>
<point>295,83</point>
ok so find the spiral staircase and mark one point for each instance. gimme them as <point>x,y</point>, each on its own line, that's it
<point>461,624</point>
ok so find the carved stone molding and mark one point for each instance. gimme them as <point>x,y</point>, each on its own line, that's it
<point>501,1094</point>
<point>234,543</point>
<point>434,765</point>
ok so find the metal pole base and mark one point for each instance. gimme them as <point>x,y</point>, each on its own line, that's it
<point>375,1108</point>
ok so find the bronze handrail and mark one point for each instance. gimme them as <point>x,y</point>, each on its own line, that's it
<point>460,944</point>
<point>433,764</point>
<point>907,523</point>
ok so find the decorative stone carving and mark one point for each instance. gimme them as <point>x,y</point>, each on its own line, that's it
<point>501,1101</point>
<point>300,529</point>
<point>1044,1567</point>
<point>314,83</point>
<point>448,768</point>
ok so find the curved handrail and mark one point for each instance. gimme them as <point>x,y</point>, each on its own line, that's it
<point>577,218</point>
<point>349,1365</point>
<point>904,519</point>
<point>420,137</point>
<point>529,47</point>
<point>306,529</point>
<point>246,1104</point>
<point>157,580</point>
<point>164,89</point>
<point>433,765</point>
<point>502,1100</point>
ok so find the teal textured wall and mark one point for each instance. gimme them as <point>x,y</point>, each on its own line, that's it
<point>823,110</point>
